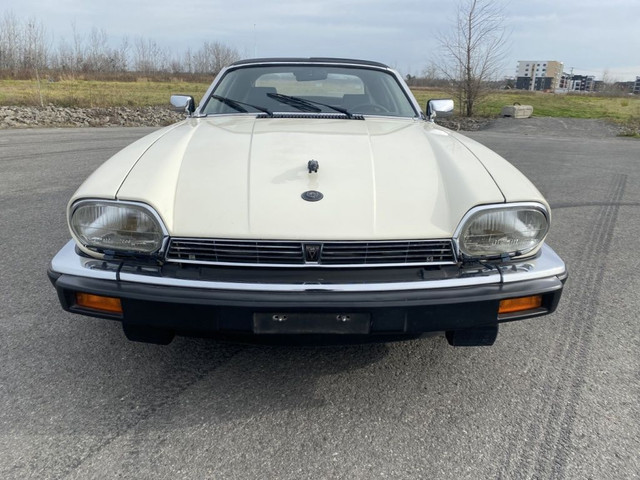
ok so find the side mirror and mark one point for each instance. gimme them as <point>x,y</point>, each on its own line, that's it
<point>439,106</point>
<point>183,103</point>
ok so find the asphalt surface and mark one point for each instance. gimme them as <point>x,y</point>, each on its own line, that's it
<point>555,397</point>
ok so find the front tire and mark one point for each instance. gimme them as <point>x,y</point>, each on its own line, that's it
<point>145,334</point>
<point>473,337</point>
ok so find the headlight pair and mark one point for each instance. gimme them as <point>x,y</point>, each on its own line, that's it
<point>121,227</point>
<point>499,230</point>
<point>485,231</point>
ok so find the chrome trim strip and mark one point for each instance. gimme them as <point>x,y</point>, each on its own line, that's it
<point>82,201</point>
<point>309,265</point>
<point>78,203</point>
<point>497,206</point>
<point>331,243</point>
<point>68,262</point>
<point>547,264</point>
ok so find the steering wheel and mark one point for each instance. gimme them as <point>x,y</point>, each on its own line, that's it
<point>369,108</point>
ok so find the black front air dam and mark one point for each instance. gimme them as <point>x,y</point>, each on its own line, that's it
<point>195,310</point>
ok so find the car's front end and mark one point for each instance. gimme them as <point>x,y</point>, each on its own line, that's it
<point>329,218</point>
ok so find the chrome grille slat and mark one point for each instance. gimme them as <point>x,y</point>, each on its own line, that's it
<point>292,253</point>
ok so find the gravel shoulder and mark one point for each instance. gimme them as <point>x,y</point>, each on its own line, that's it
<point>555,127</point>
<point>52,116</point>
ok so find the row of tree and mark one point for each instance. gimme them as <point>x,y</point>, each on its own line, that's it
<point>472,52</point>
<point>26,48</point>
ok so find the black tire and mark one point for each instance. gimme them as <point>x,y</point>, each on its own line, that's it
<point>144,334</point>
<point>473,337</point>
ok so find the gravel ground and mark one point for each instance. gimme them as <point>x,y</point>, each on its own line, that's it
<point>52,116</point>
<point>555,127</point>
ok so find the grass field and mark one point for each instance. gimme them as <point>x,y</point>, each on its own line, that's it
<point>620,109</point>
<point>80,93</point>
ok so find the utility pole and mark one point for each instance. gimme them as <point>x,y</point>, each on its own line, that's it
<point>571,80</point>
<point>533,77</point>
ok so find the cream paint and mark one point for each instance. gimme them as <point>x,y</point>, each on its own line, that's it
<point>238,176</point>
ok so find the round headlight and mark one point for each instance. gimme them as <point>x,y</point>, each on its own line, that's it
<point>492,232</point>
<point>120,227</point>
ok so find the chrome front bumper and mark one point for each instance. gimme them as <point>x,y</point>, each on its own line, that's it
<point>245,302</point>
<point>547,264</point>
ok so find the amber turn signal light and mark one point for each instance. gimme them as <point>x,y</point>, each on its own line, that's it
<point>520,304</point>
<point>98,302</point>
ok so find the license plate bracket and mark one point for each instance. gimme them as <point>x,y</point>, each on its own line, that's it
<point>311,323</point>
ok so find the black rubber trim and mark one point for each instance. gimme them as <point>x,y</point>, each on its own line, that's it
<point>321,60</point>
<point>202,311</point>
<point>308,299</point>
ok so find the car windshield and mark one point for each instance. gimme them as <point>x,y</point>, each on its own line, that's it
<point>309,89</point>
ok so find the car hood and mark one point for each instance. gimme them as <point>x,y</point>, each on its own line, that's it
<point>243,177</point>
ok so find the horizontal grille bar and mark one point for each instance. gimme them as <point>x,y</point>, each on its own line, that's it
<point>332,254</point>
<point>369,253</point>
<point>235,252</point>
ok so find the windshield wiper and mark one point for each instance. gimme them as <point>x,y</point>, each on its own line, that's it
<point>238,105</point>
<point>295,102</point>
<point>304,103</point>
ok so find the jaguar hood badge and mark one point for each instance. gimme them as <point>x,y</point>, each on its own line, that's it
<point>313,166</point>
<point>312,196</point>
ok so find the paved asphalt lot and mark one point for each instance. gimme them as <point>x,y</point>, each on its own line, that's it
<point>556,397</point>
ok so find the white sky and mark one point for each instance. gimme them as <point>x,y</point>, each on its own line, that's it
<point>590,35</point>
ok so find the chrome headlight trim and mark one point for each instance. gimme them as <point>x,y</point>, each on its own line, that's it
<point>154,216</point>
<point>476,211</point>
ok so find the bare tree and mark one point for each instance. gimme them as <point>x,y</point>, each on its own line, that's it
<point>10,42</point>
<point>122,54</point>
<point>97,51</point>
<point>148,56</point>
<point>36,51</point>
<point>430,72</point>
<point>79,49</point>
<point>26,48</point>
<point>63,57</point>
<point>609,85</point>
<point>474,50</point>
<point>187,62</point>
<point>213,57</point>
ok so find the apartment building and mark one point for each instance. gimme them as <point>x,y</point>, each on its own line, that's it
<point>539,75</point>
<point>636,86</point>
<point>582,83</point>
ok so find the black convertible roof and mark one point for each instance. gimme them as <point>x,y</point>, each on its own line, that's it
<point>310,60</point>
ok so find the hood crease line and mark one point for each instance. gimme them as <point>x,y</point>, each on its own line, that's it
<point>142,155</point>
<point>175,188</point>
<point>504,198</point>
<point>374,211</point>
<point>249,165</point>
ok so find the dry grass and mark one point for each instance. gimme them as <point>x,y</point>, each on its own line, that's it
<point>619,109</point>
<point>81,93</point>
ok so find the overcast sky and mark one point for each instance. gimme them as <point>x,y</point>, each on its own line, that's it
<point>589,35</point>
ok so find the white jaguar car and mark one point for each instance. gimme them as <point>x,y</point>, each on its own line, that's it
<point>308,199</point>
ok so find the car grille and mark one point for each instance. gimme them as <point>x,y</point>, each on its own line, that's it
<point>330,254</point>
